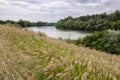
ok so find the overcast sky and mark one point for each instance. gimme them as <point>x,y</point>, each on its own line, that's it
<point>53,10</point>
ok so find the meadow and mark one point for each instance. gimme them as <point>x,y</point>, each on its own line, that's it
<point>25,55</point>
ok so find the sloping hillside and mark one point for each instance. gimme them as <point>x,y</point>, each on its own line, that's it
<point>25,55</point>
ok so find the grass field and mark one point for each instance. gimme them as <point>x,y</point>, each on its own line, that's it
<point>25,55</point>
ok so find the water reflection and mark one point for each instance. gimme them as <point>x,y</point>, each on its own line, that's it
<point>51,31</point>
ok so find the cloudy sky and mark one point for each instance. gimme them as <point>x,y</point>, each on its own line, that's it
<point>53,10</point>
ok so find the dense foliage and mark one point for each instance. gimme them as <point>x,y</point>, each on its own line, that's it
<point>97,22</point>
<point>108,41</point>
<point>24,23</point>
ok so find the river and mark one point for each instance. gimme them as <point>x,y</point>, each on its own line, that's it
<point>53,32</point>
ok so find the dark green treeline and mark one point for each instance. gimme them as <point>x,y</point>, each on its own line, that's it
<point>97,22</point>
<point>24,23</point>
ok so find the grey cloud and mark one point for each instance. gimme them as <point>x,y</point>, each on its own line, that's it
<point>83,1</point>
<point>53,10</point>
<point>88,1</point>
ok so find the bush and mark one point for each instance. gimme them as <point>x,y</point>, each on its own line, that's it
<point>108,41</point>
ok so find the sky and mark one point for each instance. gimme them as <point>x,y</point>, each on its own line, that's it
<point>54,10</point>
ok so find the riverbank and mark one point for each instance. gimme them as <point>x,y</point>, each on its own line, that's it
<point>25,55</point>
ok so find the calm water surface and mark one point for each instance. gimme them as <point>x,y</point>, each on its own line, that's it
<point>53,32</point>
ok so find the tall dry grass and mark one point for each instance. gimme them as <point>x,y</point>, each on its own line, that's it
<point>25,55</point>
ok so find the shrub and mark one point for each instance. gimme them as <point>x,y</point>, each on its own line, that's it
<point>108,41</point>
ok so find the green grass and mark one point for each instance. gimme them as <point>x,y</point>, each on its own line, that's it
<point>25,55</point>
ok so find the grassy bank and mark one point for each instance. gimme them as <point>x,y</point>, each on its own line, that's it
<point>25,55</point>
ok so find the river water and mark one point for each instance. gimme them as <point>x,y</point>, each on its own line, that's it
<point>53,32</point>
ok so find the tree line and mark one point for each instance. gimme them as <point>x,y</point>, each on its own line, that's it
<point>96,22</point>
<point>24,23</point>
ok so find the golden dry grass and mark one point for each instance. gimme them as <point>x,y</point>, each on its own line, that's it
<point>25,55</point>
